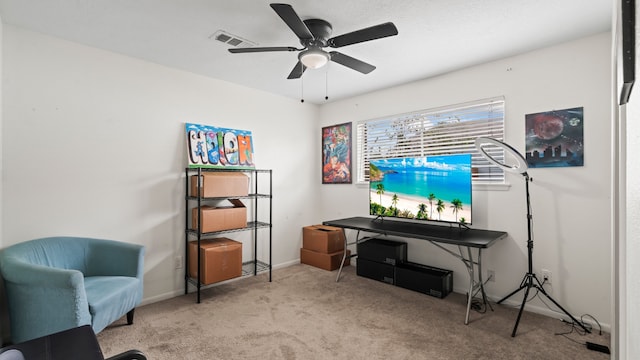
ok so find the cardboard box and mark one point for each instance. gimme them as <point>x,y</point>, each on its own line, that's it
<point>321,238</point>
<point>376,270</point>
<point>221,217</point>
<point>425,279</point>
<point>221,184</point>
<point>324,261</point>
<point>384,251</point>
<point>220,259</point>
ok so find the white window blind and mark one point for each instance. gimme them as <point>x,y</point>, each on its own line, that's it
<point>447,130</point>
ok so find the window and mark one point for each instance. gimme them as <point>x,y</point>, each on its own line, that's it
<point>447,130</point>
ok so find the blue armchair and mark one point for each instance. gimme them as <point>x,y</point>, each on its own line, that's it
<point>58,283</point>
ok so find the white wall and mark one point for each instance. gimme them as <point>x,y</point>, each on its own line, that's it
<point>570,205</point>
<point>94,145</point>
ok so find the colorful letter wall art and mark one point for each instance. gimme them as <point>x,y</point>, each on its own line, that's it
<point>214,147</point>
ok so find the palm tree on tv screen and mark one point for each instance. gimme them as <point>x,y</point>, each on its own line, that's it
<point>439,208</point>
<point>432,197</point>
<point>394,202</point>
<point>380,191</point>
<point>422,211</point>
<point>456,205</point>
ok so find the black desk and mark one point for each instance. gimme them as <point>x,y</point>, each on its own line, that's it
<point>435,234</point>
<point>76,343</point>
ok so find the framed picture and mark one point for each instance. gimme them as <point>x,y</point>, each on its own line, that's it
<point>221,148</point>
<point>555,138</point>
<point>336,154</point>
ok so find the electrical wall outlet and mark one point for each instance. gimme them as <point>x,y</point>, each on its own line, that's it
<point>491,276</point>
<point>179,262</point>
<point>546,276</point>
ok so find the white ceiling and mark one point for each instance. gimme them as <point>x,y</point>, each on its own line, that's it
<point>435,36</point>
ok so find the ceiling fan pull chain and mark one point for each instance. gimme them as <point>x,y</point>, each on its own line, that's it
<point>301,89</point>
<point>326,84</point>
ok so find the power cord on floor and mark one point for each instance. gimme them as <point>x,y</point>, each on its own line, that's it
<point>478,305</point>
<point>575,327</point>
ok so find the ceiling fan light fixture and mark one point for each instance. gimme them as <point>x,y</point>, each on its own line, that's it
<point>314,58</point>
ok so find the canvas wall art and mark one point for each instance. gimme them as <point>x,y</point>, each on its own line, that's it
<point>555,138</point>
<point>215,147</point>
<point>336,154</point>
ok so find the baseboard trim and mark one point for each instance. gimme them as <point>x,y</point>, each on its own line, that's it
<point>180,292</point>
<point>161,297</point>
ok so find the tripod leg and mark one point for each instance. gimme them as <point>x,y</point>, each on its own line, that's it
<point>561,308</point>
<point>524,301</point>
<point>522,286</point>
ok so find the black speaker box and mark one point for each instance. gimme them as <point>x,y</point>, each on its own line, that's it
<point>383,251</point>
<point>425,279</point>
<point>375,270</point>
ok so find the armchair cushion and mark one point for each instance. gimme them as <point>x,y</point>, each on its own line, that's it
<point>58,283</point>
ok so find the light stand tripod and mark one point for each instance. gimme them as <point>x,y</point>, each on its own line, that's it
<point>530,280</point>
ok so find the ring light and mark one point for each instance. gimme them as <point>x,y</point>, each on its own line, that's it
<point>521,166</point>
<point>530,280</point>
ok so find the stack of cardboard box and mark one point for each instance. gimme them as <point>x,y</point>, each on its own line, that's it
<point>220,258</point>
<point>221,185</point>
<point>323,247</point>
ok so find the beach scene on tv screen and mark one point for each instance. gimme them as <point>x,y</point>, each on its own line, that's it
<point>435,188</point>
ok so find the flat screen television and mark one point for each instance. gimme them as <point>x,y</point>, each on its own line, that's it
<point>431,188</point>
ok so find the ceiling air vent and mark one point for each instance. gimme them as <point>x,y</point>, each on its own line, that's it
<point>230,39</point>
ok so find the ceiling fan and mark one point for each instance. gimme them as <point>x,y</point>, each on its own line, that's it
<point>314,36</point>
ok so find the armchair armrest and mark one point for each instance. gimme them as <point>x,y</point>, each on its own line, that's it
<point>36,292</point>
<point>28,274</point>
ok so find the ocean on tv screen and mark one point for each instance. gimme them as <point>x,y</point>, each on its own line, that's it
<point>436,188</point>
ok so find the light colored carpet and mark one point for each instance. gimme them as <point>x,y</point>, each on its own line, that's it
<point>305,314</point>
